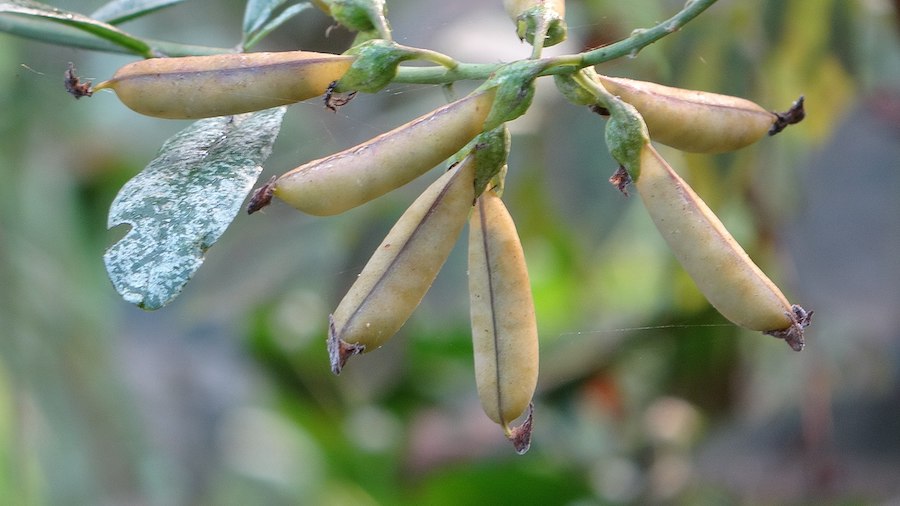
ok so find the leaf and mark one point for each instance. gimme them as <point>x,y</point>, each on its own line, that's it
<point>257,13</point>
<point>183,201</point>
<point>285,15</point>
<point>36,10</point>
<point>56,33</point>
<point>119,11</point>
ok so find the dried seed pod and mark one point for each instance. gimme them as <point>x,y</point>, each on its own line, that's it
<point>403,267</point>
<point>722,270</point>
<point>344,180</point>
<point>204,86</point>
<point>690,120</point>
<point>504,330</point>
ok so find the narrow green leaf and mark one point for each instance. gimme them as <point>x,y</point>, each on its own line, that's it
<point>257,13</point>
<point>56,33</point>
<point>36,10</point>
<point>120,11</point>
<point>285,15</point>
<point>183,201</point>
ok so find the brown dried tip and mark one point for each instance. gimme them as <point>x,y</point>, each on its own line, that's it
<point>521,435</point>
<point>338,350</point>
<point>335,102</point>
<point>793,335</point>
<point>262,196</point>
<point>793,115</point>
<point>74,85</point>
<point>621,179</point>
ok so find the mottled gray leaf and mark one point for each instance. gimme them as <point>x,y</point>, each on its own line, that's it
<point>183,201</point>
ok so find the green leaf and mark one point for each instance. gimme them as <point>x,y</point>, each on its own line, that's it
<point>257,13</point>
<point>56,33</point>
<point>38,11</point>
<point>183,201</point>
<point>119,11</point>
<point>279,20</point>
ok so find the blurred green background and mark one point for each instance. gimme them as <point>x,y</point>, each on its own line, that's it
<point>646,394</point>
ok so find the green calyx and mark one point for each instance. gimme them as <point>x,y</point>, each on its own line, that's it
<point>626,132</point>
<point>538,18</point>
<point>573,91</point>
<point>626,135</point>
<point>515,91</point>
<point>375,66</point>
<point>491,150</point>
<point>377,62</point>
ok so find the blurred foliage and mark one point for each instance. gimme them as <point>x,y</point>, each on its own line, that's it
<point>646,394</point>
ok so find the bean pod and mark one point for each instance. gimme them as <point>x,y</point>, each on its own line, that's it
<point>352,177</point>
<point>403,267</point>
<point>722,270</point>
<point>504,329</point>
<point>204,86</point>
<point>694,121</point>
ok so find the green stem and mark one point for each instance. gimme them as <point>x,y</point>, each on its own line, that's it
<point>166,48</point>
<point>540,34</point>
<point>441,75</point>
<point>639,39</point>
<point>565,64</point>
<point>432,56</point>
<point>380,22</point>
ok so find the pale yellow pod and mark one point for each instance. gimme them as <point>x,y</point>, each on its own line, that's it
<point>403,267</point>
<point>694,121</point>
<point>204,86</point>
<point>722,270</point>
<point>352,177</point>
<point>504,328</point>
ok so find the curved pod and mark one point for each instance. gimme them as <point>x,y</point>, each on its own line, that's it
<point>204,86</point>
<point>403,267</point>
<point>694,121</point>
<point>721,269</point>
<point>344,180</point>
<point>504,329</point>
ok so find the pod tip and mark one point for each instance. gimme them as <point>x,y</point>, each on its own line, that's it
<point>338,350</point>
<point>792,116</point>
<point>262,196</point>
<point>521,436</point>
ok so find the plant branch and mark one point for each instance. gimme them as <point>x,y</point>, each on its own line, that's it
<point>565,64</point>
<point>640,38</point>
